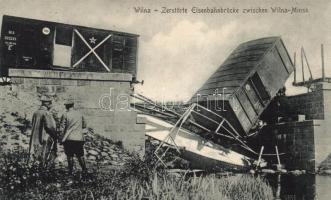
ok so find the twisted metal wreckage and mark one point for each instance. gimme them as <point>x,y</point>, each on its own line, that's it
<point>218,139</point>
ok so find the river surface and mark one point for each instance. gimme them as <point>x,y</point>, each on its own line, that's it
<point>307,186</point>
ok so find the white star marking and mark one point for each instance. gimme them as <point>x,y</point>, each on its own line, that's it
<point>92,40</point>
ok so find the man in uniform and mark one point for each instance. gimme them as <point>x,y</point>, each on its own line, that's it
<point>71,127</point>
<point>43,140</point>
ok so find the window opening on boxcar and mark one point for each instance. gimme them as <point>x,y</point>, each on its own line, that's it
<point>63,36</point>
<point>62,47</point>
<point>259,87</point>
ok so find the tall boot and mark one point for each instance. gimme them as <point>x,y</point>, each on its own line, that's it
<point>82,164</point>
<point>70,165</point>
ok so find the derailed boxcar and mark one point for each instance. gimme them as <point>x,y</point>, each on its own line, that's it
<point>37,44</point>
<point>246,82</point>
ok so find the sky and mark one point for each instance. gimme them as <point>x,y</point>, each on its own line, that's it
<point>179,52</point>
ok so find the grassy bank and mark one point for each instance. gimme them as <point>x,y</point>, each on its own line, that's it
<point>135,180</point>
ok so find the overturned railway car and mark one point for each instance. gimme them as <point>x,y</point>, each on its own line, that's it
<point>244,85</point>
<point>44,45</point>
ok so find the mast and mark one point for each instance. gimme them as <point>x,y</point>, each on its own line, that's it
<point>323,68</point>
<point>303,72</point>
<point>295,71</point>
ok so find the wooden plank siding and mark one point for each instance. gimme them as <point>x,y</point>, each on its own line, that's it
<point>252,75</point>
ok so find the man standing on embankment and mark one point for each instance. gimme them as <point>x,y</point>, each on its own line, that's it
<point>43,138</point>
<point>71,128</point>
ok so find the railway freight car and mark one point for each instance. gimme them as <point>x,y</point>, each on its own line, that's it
<point>36,44</point>
<point>243,86</point>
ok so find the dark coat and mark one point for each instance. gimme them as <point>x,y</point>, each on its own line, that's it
<point>43,128</point>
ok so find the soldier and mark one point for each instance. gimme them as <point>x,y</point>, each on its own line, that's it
<point>71,128</point>
<point>43,138</point>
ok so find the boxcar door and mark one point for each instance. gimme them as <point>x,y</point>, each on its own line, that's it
<point>27,47</point>
<point>91,50</point>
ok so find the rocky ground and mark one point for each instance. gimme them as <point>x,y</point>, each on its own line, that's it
<point>16,111</point>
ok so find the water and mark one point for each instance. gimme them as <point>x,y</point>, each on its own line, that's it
<point>302,187</point>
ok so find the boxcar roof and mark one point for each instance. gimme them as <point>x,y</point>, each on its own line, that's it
<point>7,18</point>
<point>237,67</point>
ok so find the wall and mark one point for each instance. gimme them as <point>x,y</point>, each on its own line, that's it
<point>317,105</point>
<point>322,144</point>
<point>307,143</point>
<point>309,104</point>
<point>103,98</point>
<point>295,139</point>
